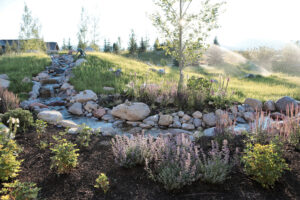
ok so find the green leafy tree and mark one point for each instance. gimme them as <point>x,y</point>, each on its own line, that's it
<point>185,30</point>
<point>14,47</point>
<point>83,30</point>
<point>8,48</point>
<point>30,32</point>
<point>132,46</point>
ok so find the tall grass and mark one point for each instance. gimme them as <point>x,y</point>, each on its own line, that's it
<point>19,66</point>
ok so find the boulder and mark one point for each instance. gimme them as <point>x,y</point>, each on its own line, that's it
<point>90,106</point>
<point>254,103</point>
<point>42,76</point>
<point>176,124</point>
<point>4,76</point>
<point>180,113</point>
<point>68,124</point>
<point>188,126</point>
<point>66,86</point>
<point>165,120</point>
<point>85,96</point>
<point>282,103</point>
<point>131,111</point>
<point>210,119</point>
<point>50,116</point>
<point>153,118</point>
<point>80,62</point>
<point>197,122</point>
<point>35,92</point>
<point>269,106</point>
<point>209,131</point>
<point>4,83</point>
<point>186,118</point>
<point>76,109</point>
<point>100,112</point>
<point>146,126</point>
<point>249,116</point>
<point>40,105</point>
<point>197,115</point>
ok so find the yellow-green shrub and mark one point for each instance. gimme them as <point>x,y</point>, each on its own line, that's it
<point>102,182</point>
<point>264,163</point>
<point>19,191</point>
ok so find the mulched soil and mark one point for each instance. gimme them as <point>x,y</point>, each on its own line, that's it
<point>133,183</point>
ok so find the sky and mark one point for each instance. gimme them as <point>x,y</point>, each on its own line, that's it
<point>244,24</point>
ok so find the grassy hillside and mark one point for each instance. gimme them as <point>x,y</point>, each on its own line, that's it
<point>95,74</point>
<point>18,66</point>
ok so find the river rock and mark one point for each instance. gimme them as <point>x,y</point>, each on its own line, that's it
<point>26,80</point>
<point>165,120</point>
<point>186,118</point>
<point>98,113</point>
<point>90,106</point>
<point>197,122</point>
<point>254,103</point>
<point>188,126</point>
<point>180,113</point>
<point>42,76</point>
<point>50,116</point>
<point>66,86</point>
<point>209,131</point>
<point>4,76</point>
<point>68,124</point>
<point>145,126</point>
<point>269,106</point>
<point>197,115</point>
<point>85,96</point>
<point>282,103</point>
<point>153,118</point>
<point>35,92</point>
<point>80,62</point>
<point>131,111</point>
<point>40,105</point>
<point>249,116</point>
<point>210,119</point>
<point>4,83</point>
<point>76,109</point>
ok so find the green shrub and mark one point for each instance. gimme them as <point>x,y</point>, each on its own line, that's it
<point>65,156</point>
<point>264,163</point>
<point>84,135</point>
<point>24,116</point>
<point>40,127</point>
<point>102,182</point>
<point>9,165</point>
<point>19,191</point>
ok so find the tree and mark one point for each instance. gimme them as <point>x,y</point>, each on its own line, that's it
<point>185,29</point>
<point>83,30</point>
<point>116,48</point>
<point>143,46</point>
<point>132,46</point>
<point>14,46</point>
<point>107,47</point>
<point>8,49</point>
<point>64,46</point>
<point>156,45</point>
<point>30,32</point>
<point>119,43</point>
<point>95,33</point>
<point>216,42</point>
<point>69,44</point>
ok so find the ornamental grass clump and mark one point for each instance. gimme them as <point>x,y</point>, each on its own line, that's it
<point>8,100</point>
<point>174,163</point>
<point>130,152</point>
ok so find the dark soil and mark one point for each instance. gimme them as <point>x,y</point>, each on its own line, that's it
<point>133,183</point>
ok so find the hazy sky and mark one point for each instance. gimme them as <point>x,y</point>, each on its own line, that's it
<point>244,20</point>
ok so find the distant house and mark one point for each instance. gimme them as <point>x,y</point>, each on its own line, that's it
<point>52,47</point>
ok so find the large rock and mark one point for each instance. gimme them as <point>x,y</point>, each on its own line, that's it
<point>197,115</point>
<point>131,111</point>
<point>76,109</point>
<point>210,131</point>
<point>197,122</point>
<point>68,124</point>
<point>90,106</point>
<point>254,103</point>
<point>4,83</point>
<point>66,86</point>
<point>188,126</point>
<point>4,76</point>
<point>165,120</point>
<point>85,96</point>
<point>210,119</point>
<point>50,116</point>
<point>100,112</point>
<point>282,103</point>
<point>269,106</point>
<point>35,90</point>
<point>249,116</point>
<point>80,62</point>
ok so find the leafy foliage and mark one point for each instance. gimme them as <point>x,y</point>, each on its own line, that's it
<point>65,156</point>
<point>84,135</point>
<point>102,182</point>
<point>19,191</point>
<point>40,127</point>
<point>25,117</point>
<point>264,163</point>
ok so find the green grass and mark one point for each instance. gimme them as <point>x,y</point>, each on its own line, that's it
<point>18,66</point>
<point>95,75</point>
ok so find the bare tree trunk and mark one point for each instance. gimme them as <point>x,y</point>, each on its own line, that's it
<point>181,63</point>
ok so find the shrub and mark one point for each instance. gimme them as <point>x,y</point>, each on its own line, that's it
<point>130,152</point>
<point>174,162</point>
<point>9,165</point>
<point>40,127</point>
<point>102,182</point>
<point>65,156</point>
<point>19,191</point>
<point>8,100</point>
<point>84,135</point>
<point>215,167</point>
<point>24,116</point>
<point>264,163</point>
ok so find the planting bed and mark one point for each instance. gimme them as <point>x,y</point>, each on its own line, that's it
<point>134,183</point>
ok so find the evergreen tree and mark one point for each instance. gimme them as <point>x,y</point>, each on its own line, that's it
<point>143,46</point>
<point>156,45</point>
<point>132,46</point>
<point>116,48</point>
<point>30,32</point>
<point>69,44</point>
<point>107,47</point>
<point>64,46</point>
<point>119,43</point>
<point>14,47</point>
<point>83,30</point>
<point>8,49</point>
<point>216,42</point>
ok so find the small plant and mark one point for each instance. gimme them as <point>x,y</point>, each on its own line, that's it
<point>130,152</point>
<point>65,156</point>
<point>102,182</point>
<point>43,145</point>
<point>40,127</point>
<point>19,191</point>
<point>9,165</point>
<point>84,135</point>
<point>264,163</point>
<point>25,117</point>
<point>8,100</point>
<point>215,166</point>
<point>13,127</point>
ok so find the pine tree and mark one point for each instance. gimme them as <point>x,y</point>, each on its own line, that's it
<point>14,47</point>
<point>143,46</point>
<point>119,43</point>
<point>156,45</point>
<point>107,47</point>
<point>116,48</point>
<point>64,46</point>
<point>69,44</point>
<point>132,46</point>
<point>83,30</point>
<point>216,42</point>
<point>8,49</point>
